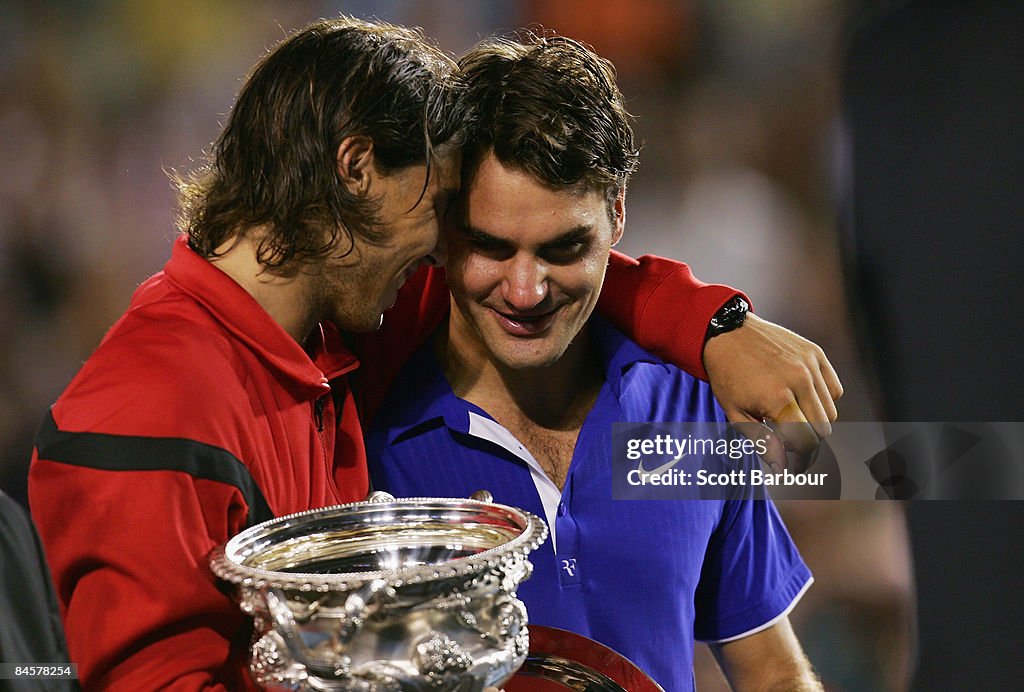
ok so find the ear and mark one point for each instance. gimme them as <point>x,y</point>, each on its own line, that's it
<point>355,164</point>
<point>619,212</point>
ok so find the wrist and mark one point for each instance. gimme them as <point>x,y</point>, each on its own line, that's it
<point>729,317</point>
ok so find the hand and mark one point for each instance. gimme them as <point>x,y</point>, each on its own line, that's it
<point>765,374</point>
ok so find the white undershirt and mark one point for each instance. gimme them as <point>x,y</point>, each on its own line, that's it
<point>550,495</point>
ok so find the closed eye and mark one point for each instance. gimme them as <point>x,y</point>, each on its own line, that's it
<point>564,254</point>
<point>486,243</point>
<point>569,247</point>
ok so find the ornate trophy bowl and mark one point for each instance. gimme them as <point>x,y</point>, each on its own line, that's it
<point>382,596</point>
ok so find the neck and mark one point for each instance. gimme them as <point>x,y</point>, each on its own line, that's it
<point>284,294</point>
<point>554,397</point>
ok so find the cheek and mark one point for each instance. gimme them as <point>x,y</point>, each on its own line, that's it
<point>428,235</point>
<point>421,237</point>
<point>473,275</point>
<point>580,280</point>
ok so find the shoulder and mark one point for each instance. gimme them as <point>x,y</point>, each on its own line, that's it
<point>650,389</point>
<point>164,361</point>
<point>417,394</point>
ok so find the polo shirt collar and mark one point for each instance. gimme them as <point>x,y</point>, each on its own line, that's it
<point>430,402</point>
<point>618,352</point>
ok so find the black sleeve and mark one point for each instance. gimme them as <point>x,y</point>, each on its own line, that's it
<point>30,627</point>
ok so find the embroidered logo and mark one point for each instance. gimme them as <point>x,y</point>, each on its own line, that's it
<point>661,469</point>
<point>569,566</point>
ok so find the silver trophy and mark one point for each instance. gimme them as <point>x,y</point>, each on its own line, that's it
<point>385,595</point>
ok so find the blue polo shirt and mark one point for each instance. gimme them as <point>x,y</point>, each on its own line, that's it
<point>644,577</point>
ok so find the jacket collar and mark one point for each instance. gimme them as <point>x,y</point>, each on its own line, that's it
<point>239,313</point>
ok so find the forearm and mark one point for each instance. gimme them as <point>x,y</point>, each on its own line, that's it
<point>801,681</point>
<point>759,371</point>
<point>768,661</point>
<point>797,685</point>
<point>662,306</point>
<point>799,677</point>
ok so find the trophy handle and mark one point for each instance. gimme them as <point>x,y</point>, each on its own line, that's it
<point>356,606</point>
<point>284,620</point>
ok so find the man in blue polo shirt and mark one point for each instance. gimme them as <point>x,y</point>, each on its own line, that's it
<point>518,391</point>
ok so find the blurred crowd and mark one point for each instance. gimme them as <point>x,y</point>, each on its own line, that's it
<point>736,107</point>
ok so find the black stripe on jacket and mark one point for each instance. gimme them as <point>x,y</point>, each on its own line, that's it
<point>135,453</point>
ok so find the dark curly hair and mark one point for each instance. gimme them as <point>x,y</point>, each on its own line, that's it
<point>549,106</point>
<point>274,164</point>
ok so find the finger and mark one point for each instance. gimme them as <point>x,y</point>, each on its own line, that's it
<point>835,387</point>
<point>797,434</point>
<point>798,462</point>
<point>811,407</point>
<point>798,437</point>
<point>825,397</point>
<point>775,454</point>
<point>764,438</point>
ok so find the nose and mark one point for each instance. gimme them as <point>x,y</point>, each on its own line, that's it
<point>526,283</point>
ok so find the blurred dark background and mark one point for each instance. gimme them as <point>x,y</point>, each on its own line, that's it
<point>824,156</point>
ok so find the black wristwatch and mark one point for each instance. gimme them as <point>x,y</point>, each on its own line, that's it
<point>729,317</point>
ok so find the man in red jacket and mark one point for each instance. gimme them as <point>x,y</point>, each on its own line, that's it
<point>221,397</point>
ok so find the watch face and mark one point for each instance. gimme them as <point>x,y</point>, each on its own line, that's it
<point>729,317</point>
<point>560,660</point>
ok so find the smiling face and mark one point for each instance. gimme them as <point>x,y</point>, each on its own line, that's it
<point>353,291</point>
<point>525,265</point>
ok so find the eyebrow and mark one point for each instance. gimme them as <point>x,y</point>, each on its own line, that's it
<point>570,237</point>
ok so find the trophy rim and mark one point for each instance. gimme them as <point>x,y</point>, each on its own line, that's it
<point>223,564</point>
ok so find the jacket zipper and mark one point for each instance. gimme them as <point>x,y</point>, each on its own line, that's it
<point>318,414</point>
<point>318,419</point>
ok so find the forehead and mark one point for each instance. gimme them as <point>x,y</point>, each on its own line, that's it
<point>499,198</point>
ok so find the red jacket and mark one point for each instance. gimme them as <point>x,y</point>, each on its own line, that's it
<point>199,416</point>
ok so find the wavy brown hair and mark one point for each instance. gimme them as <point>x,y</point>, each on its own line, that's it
<point>549,106</point>
<point>274,164</point>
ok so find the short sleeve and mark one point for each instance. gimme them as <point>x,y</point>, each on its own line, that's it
<point>752,576</point>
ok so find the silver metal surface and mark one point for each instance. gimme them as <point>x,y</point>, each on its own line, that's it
<point>385,595</point>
